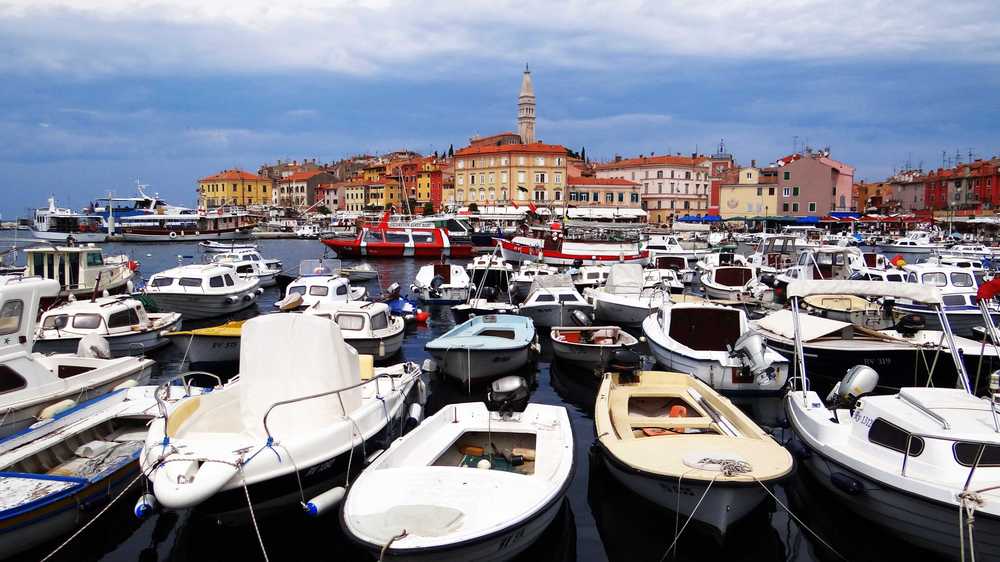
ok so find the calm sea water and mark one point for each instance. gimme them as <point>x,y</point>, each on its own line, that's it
<point>601,520</point>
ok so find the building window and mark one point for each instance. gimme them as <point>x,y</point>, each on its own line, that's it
<point>784,207</point>
<point>492,178</point>
<point>795,191</point>
<point>633,176</point>
<point>770,191</point>
<point>558,179</point>
<point>559,161</point>
<point>609,197</point>
<point>795,207</point>
<point>503,161</point>
<point>786,192</point>
<point>621,197</point>
<point>503,177</point>
<point>760,191</point>
<point>558,195</point>
<point>540,177</point>
<point>687,205</point>
<point>659,174</point>
<point>520,176</point>
<point>687,175</point>
<point>812,206</point>
<point>520,160</point>
<point>460,164</point>
<point>539,195</point>
<point>659,204</point>
<point>635,197</point>
<point>659,187</point>
<point>788,176</point>
<point>539,160</point>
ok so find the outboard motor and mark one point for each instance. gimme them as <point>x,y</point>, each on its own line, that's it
<point>508,394</point>
<point>859,381</point>
<point>627,364</point>
<point>488,293</point>
<point>909,325</point>
<point>752,349</point>
<point>888,303</point>
<point>392,292</point>
<point>772,281</point>
<point>580,318</point>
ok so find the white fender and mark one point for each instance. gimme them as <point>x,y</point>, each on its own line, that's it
<point>52,410</point>
<point>180,484</point>
<point>421,392</point>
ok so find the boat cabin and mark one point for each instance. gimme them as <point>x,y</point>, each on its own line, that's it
<point>734,276</point>
<point>703,328</point>
<point>357,319</point>
<point>104,316</point>
<point>958,286</point>
<point>77,268</point>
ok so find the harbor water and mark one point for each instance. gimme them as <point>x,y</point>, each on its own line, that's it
<point>600,519</point>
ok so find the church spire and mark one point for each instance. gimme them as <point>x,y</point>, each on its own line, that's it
<point>526,108</point>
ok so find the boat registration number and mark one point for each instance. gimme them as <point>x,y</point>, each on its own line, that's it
<point>862,419</point>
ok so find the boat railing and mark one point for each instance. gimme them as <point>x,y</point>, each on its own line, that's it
<point>185,379</point>
<point>338,392</point>
<point>972,469</point>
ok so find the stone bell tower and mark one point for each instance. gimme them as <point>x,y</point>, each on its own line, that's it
<point>526,109</point>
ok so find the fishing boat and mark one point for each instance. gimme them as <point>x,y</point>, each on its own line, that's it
<point>484,347</point>
<point>730,283</point>
<point>717,345</point>
<point>920,463</point>
<point>915,242</point>
<point>673,440</point>
<point>219,247</point>
<point>554,301</point>
<point>38,385</point>
<point>215,344</point>
<point>590,347</point>
<point>399,242</point>
<point>441,283</point>
<point>368,327</point>
<point>57,475</point>
<point>525,276</point>
<point>359,272</point>
<point>958,287</point>
<point>907,354</point>
<point>302,394</point>
<point>424,498</point>
<point>319,281</point>
<point>59,225</point>
<point>624,300</point>
<point>122,321</point>
<point>81,270</point>
<point>202,290</point>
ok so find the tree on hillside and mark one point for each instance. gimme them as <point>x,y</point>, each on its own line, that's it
<point>583,153</point>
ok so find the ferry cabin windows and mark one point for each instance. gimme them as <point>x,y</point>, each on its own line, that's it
<point>936,279</point>
<point>162,281</point>
<point>94,258</point>
<point>397,237</point>
<point>190,282</point>
<point>953,300</point>
<point>87,321</point>
<point>216,282</point>
<point>893,437</point>
<point>10,380</point>
<point>10,317</point>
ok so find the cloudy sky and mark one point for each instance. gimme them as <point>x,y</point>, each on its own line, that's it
<point>94,97</point>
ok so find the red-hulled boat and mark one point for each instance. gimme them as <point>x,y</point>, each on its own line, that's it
<point>399,242</point>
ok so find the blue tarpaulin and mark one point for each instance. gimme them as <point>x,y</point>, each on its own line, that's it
<point>807,220</point>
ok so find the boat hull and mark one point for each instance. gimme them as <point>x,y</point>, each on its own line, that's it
<point>209,349</point>
<point>125,345</point>
<point>356,249</point>
<point>725,504</point>
<point>139,235</point>
<point>591,357</point>
<point>463,314</point>
<point>379,348</point>
<point>203,306</point>
<point>514,252</point>
<point>480,364</point>
<point>549,315</point>
<point>80,237</point>
<point>961,321</point>
<point>444,295</point>
<point>630,313</point>
<point>714,374</point>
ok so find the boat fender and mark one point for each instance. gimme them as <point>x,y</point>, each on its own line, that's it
<point>173,235</point>
<point>323,502</point>
<point>93,346</point>
<point>248,297</point>
<point>414,417</point>
<point>798,449</point>
<point>484,464</point>
<point>52,410</point>
<point>421,391</point>
<point>847,484</point>
<point>422,316</point>
<point>366,366</point>
<point>231,300</point>
<point>428,366</point>
<point>130,286</point>
<point>260,291</point>
<point>144,506</point>
<point>126,384</point>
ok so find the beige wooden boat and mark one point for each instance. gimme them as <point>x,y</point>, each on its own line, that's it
<point>667,436</point>
<point>848,308</point>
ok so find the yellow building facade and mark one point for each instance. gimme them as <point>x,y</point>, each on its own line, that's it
<point>514,172</point>
<point>748,200</point>
<point>234,187</point>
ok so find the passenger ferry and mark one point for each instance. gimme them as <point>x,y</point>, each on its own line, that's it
<point>54,223</point>
<point>594,244</point>
<point>187,227</point>
<point>399,242</point>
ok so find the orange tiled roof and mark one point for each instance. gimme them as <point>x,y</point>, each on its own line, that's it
<point>581,180</point>
<point>228,175</point>
<point>493,149</point>
<point>650,161</point>
<point>301,176</point>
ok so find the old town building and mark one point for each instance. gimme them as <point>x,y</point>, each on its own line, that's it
<point>672,186</point>
<point>234,187</point>
<point>298,190</point>
<point>589,191</point>
<point>512,172</point>
<point>813,184</point>
<point>748,192</point>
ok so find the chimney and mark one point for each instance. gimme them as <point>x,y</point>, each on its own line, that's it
<point>753,163</point>
<point>618,158</point>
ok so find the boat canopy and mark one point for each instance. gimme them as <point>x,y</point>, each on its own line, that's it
<point>625,278</point>
<point>912,291</point>
<point>289,356</point>
<point>781,323</point>
<point>553,281</point>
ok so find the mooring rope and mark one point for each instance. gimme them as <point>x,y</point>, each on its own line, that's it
<point>100,513</point>
<point>799,521</point>
<point>967,504</point>
<point>381,554</point>
<point>253,516</point>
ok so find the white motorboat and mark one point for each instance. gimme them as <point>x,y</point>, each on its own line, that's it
<point>368,327</point>
<point>221,247</point>
<point>915,242</point>
<point>730,283</point>
<point>202,290</point>
<point>81,270</point>
<point>686,265</point>
<point>775,253</point>
<point>590,276</point>
<point>525,276</point>
<point>319,281</point>
<point>490,270</point>
<point>57,475</point>
<point>442,283</point>
<point>37,385</point>
<point>288,427</point>
<point>920,463</point>
<point>665,279</point>
<point>624,300</point>
<point>249,264</point>
<point>248,255</point>
<point>214,344</point>
<point>59,225</point>
<point>424,498</point>
<point>359,272</point>
<point>973,251</point>
<point>958,287</point>
<point>673,440</point>
<point>485,347</point>
<point>717,345</point>
<point>554,301</point>
<point>122,321</point>
<point>591,347</point>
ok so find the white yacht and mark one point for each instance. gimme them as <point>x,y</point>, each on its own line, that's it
<point>58,225</point>
<point>38,386</point>
<point>920,463</point>
<point>319,281</point>
<point>122,321</point>
<point>624,300</point>
<point>202,290</point>
<point>958,288</point>
<point>915,242</point>
<point>368,327</point>
<point>81,270</point>
<point>554,301</point>
<point>442,283</point>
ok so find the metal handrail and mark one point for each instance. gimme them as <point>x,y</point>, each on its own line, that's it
<point>267,430</point>
<point>165,385</point>
<point>972,469</point>
<point>926,411</point>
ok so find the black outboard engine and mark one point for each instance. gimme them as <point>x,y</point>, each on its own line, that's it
<point>888,303</point>
<point>580,318</point>
<point>391,292</point>
<point>909,325</point>
<point>508,394</point>
<point>436,283</point>
<point>627,364</point>
<point>488,293</point>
